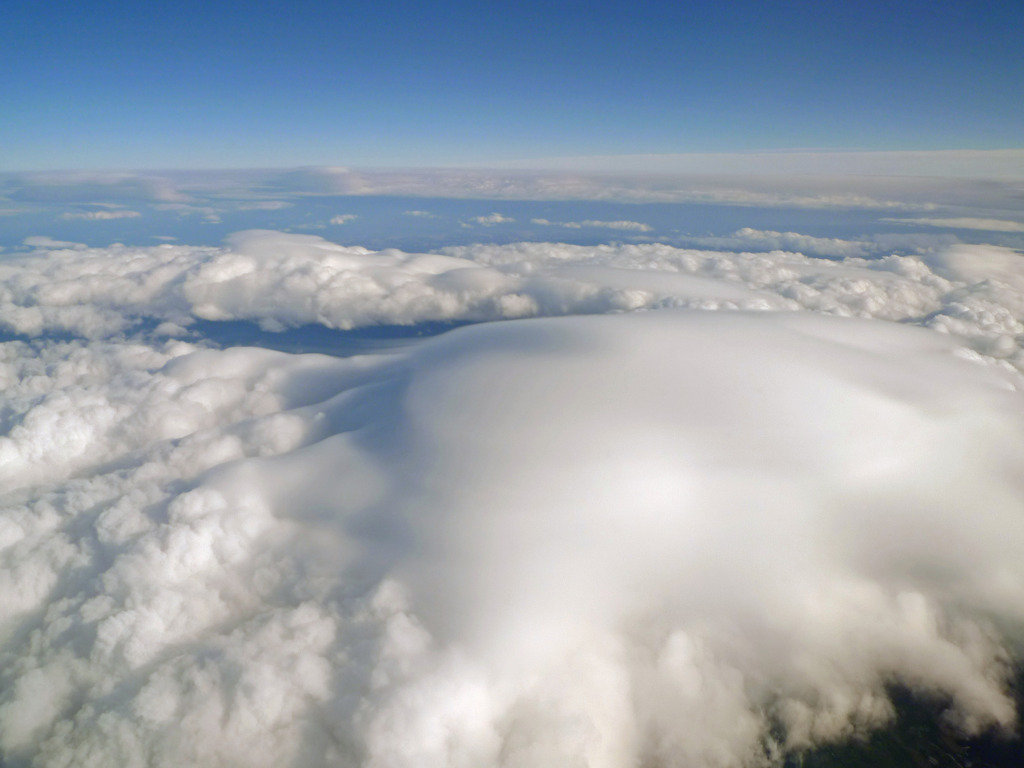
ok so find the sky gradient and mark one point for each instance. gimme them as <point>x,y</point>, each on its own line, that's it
<point>192,85</point>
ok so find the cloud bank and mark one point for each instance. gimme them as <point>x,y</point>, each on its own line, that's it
<point>705,535</point>
<point>786,181</point>
<point>986,164</point>
<point>283,280</point>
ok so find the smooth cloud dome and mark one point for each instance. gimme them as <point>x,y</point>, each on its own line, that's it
<point>706,521</point>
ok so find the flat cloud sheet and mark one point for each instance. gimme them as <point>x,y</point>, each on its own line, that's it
<point>678,507</point>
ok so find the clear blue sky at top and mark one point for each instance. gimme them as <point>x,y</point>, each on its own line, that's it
<point>231,84</point>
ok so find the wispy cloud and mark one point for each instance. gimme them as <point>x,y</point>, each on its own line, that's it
<point>264,205</point>
<point>743,185</point>
<point>990,225</point>
<point>209,213</point>
<point>987,164</point>
<point>343,218</point>
<point>101,215</point>
<point>43,241</point>
<point>635,226</point>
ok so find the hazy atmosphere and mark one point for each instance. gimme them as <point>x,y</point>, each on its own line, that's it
<point>550,386</point>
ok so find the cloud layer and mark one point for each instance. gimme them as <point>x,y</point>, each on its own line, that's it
<point>776,181</point>
<point>990,225</point>
<point>282,280</point>
<point>699,536</point>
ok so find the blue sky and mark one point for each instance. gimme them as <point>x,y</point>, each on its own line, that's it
<point>229,84</point>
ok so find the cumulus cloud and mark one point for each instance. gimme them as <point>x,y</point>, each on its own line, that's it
<point>630,225</point>
<point>990,225</point>
<point>284,280</point>
<point>520,544</point>
<point>701,536</point>
<point>101,215</point>
<point>491,219</point>
<point>770,240</point>
<point>420,214</point>
<point>343,218</point>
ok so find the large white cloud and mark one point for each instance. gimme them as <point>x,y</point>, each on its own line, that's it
<point>597,540</point>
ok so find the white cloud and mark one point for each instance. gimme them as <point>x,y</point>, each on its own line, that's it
<point>990,225</point>
<point>343,218</point>
<point>209,214</point>
<point>420,214</point>
<point>42,241</point>
<point>264,205</point>
<point>89,187</point>
<point>628,225</point>
<point>101,215</point>
<point>724,189</point>
<point>617,537</point>
<point>610,539</point>
<point>841,180</point>
<point>283,280</point>
<point>491,219</point>
<point>770,240</point>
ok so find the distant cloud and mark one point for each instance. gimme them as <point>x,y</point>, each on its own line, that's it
<point>732,189</point>
<point>743,183</point>
<point>88,187</point>
<point>988,164</point>
<point>209,214</point>
<point>102,215</point>
<point>344,218</point>
<point>264,205</point>
<point>42,241</point>
<point>629,225</point>
<point>770,240</point>
<point>989,225</point>
<point>420,214</point>
<point>491,219</point>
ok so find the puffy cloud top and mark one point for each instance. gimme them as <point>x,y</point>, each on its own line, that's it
<point>283,280</point>
<point>698,536</point>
